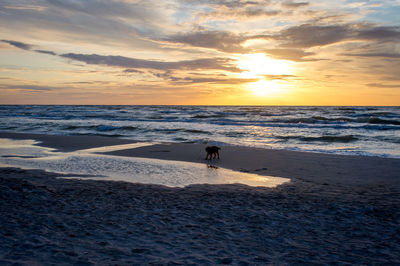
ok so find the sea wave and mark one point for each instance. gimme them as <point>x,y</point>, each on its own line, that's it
<point>182,130</point>
<point>211,116</point>
<point>376,120</point>
<point>326,138</point>
<point>321,119</point>
<point>369,130</point>
<point>100,128</point>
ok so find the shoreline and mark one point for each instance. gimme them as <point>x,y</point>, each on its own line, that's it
<point>93,140</point>
<point>295,165</point>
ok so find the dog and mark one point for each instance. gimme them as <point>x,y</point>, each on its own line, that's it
<point>212,152</point>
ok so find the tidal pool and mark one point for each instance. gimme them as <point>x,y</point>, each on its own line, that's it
<point>91,165</point>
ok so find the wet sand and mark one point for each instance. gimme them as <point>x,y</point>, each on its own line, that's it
<point>68,143</point>
<point>336,210</point>
<point>306,166</point>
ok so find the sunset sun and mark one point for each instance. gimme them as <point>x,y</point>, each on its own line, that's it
<point>268,71</point>
<point>263,87</point>
<point>260,64</point>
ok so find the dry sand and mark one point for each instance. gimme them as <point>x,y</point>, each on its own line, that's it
<point>336,210</point>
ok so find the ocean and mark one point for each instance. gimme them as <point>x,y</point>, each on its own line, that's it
<point>371,131</point>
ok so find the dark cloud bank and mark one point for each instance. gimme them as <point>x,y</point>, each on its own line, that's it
<point>28,47</point>
<point>217,63</point>
<point>296,37</point>
<point>20,45</point>
<point>132,63</point>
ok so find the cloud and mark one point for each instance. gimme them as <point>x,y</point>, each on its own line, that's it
<point>110,8</point>
<point>45,52</point>
<point>290,4</point>
<point>219,40</point>
<point>29,87</point>
<point>279,77</point>
<point>293,38</point>
<point>384,55</point>
<point>239,11</point>
<point>123,23</point>
<point>310,35</point>
<point>253,12</point>
<point>379,85</point>
<point>380,33</point>
<point>195,80</point>
<point>27,47</point>
<point>207,33</point>
<point>25,7</point>
<point>290,54</point>
<point>129,70</point>
<point>306,35</point>
<point>233,4</point>
<point>216,79</point>
<point>20,45</point>
<point>133,63</point>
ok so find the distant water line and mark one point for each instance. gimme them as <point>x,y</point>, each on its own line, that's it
<point>340,130</point>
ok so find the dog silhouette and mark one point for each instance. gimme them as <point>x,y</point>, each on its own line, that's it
<point>212,152</point>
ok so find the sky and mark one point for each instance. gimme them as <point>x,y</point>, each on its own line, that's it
<point>205,52</point>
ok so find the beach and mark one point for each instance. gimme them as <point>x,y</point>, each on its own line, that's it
<point>208,132</point>
<point>335,210</point>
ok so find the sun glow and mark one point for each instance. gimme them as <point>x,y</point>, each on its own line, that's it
<point>264,87</point>
<point>270,73</point>
<point>260,64</point>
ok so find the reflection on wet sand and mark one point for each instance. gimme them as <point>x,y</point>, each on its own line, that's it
<point>130,169</point>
